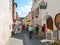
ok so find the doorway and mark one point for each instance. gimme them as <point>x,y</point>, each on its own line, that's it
<point>57,20</point>
<point>49,23</point>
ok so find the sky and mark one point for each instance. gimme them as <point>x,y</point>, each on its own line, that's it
<point>23,7</point>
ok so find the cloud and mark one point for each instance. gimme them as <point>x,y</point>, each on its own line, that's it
<point>24,10</point>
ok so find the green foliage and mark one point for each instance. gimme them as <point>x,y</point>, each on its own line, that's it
<point>55,43</point>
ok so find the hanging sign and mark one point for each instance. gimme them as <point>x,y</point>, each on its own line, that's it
<point>43,4</point>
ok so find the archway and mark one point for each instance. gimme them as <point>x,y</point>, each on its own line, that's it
<point>57,20</point>
<point>49,22</point>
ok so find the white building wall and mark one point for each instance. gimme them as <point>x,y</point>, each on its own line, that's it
<point>52,9</point>
<point>39,19</point>
<point>5,21</point>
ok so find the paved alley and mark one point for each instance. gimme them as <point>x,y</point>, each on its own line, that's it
<point>22,39</point>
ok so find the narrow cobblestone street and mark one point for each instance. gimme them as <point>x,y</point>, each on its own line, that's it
<point>22,39</point>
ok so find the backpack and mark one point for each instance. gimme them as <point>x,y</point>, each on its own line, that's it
<point>37,28</point>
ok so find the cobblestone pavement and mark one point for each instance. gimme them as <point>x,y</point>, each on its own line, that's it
<point>23,39</point>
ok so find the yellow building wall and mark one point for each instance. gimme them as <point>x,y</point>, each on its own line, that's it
<point>29,17</point>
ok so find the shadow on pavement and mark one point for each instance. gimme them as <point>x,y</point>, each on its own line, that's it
<point>26,40</point>
<point>18,36</point>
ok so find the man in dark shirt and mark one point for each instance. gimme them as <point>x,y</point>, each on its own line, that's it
<point>36,31</point>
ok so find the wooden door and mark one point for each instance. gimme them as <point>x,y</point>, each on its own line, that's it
<point>57,20</point>
<point>49,23</point>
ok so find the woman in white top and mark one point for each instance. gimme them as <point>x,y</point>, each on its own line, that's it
<point>30,29</point>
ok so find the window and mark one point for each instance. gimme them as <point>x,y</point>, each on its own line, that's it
<point>33,15</point>
<point>37,11</point>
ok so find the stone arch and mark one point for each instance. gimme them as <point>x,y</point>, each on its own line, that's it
<point>57,20</point>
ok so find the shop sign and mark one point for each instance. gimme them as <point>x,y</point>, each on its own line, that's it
<point>43,5</point>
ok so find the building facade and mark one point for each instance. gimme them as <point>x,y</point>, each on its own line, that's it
<point>29,19</point>
<point>46,12</point>
<point>23,21</point>
<point>36,13</point>
<point>14,13</point>
<point>14,17</point>
<point>5,20</point>
<point>17,19</point>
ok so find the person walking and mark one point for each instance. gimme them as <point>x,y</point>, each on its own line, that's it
<point>43,31</point>
<point>30,29</point>
<point>27,28</point>
<point>23,28</point>
<point>37,31</point>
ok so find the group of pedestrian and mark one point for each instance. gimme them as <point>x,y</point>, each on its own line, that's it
<point>31,30</point>
<point>28,29</point>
